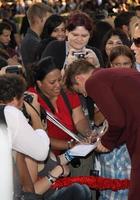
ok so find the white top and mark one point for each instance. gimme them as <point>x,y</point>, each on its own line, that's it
<point>34,143</point>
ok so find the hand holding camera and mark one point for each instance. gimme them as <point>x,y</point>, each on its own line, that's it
<point>85,53</point>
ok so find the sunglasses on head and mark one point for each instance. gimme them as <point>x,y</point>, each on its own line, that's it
<point>137,42</point>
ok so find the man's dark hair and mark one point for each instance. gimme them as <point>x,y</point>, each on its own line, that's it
<point>123,18</point>
<point>11,85</point>
<point>4,26</point>
<point>137,7</point>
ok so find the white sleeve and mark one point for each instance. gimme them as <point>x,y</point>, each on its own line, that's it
<point>34,143</point>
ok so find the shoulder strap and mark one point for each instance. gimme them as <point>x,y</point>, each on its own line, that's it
<point>46,99</point>
<point>2,116</point>
<point>66,100</point>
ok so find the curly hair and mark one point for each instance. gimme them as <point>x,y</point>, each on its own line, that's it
<point>11,85</point>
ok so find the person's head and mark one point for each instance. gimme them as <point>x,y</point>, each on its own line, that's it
<point>5,33</point>
<point>78,29</point>
<point>122,56</point>
<point>37,14</point>
<point>101,28</point>
<point>136,43</point>
<point>48,77</point>
<point>77,74</point>
<point>137,11</point>
<point>113,38</point>
<point>122,21</point>
<point>12,88</point>
<point>54,27</point>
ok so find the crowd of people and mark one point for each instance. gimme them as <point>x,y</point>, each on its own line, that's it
<point>85,73</point>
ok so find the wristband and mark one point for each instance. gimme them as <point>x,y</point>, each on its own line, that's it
<point>68,155</point>
<point>50,179</point>
<point>53,178</point>
<point>70,143</point>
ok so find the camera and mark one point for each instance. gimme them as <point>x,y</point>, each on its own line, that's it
<point>79,55</point>
<point>28,98</point>
<point>14,69</point>
<point>76,162</point>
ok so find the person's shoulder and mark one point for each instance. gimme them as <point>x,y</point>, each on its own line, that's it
<point>114,72</point>
<point>11,110</point>
<point>56,49</point>
<point>55,44</point>
<point>71,95</point>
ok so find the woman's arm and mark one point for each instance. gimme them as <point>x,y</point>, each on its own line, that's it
<point>42,185</point>
<point>58,144</point>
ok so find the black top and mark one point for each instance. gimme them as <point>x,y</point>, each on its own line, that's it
<point>29,47</point>
<point>57,49</point>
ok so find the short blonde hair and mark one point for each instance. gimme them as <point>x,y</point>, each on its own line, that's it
<point>37,10</point>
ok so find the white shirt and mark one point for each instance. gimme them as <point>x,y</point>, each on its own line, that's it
<point>34,143</point>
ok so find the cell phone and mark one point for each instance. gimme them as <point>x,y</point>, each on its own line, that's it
<point>13,69</point>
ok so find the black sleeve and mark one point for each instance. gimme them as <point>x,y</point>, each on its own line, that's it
<point>98,54</point>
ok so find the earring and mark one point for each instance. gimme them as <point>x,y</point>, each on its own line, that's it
<point>85,94</point>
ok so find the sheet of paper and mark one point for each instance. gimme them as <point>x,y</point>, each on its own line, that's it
<point>83,149</point>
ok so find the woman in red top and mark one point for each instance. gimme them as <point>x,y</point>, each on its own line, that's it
<point>47,78</point>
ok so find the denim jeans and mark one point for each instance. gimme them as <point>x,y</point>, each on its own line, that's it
<point>72,192</point>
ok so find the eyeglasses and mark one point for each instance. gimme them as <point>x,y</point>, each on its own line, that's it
<point>136,41</point>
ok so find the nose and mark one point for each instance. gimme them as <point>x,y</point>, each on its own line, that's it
<point>58,84</point>
<point>8,38</point>
<point>79,38</point>
<point>132,46</point>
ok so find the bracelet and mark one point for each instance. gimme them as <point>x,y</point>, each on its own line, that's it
<point>50,179</point>
<point>54,177</point>
<point>70,143</point>
<point>68,156</point>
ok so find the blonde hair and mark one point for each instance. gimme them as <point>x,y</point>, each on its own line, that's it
<point>37,10</point>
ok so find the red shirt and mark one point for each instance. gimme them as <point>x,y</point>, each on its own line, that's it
<point>63,114</point>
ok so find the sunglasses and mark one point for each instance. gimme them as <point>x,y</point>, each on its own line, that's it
<point>136,41</point>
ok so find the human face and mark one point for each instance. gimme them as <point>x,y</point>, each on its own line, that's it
<point>51,84</point>
<point>59,32</point>
<point>122,61</point>
<point>79,85</point>
<point>138,13</point>
<point>112,42</point>
<point>78,38</point>
<point>135,47</point>
<point>5,37</point>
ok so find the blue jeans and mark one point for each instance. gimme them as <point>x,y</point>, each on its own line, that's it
<point>72,192</point>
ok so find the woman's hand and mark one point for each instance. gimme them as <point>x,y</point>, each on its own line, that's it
<point>91,57</point>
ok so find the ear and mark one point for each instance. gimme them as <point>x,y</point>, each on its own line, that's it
<point>79,78</point>
<point>39,84</point>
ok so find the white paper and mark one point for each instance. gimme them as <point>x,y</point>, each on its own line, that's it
<point>82,149</point>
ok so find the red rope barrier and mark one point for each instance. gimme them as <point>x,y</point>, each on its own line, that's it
<point>99,183</point>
